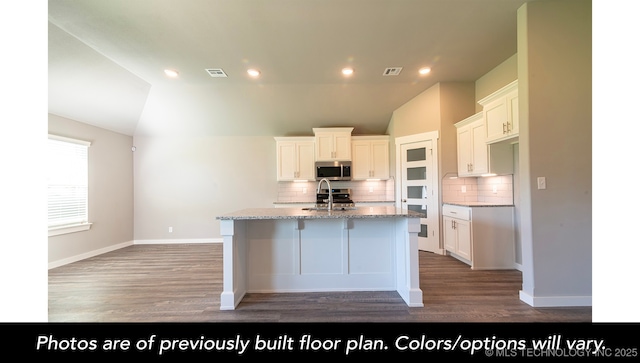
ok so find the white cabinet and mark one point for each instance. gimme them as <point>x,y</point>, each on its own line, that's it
<point>475,156</point>
<point>295,158</point>
<point>332,143</point>
<point>500,110</point>
<point>370,157</point>
<point>472,148</point>
<point>457,237</point>
<point>481,236</point>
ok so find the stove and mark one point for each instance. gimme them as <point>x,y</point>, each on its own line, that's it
<point>341,198</point>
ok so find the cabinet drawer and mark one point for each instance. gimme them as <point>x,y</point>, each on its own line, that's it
<point>456,211</point>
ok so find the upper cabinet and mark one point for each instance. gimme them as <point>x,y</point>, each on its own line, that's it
<point>500,111</point>
<point>332,143</point>
<point>295,158</point>
<point>370,156</point>
<point>475,156</point>
<point>472,147</point>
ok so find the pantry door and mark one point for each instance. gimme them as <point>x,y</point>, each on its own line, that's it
<point>416,157</point>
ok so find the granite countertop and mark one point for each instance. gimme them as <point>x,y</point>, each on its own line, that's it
<point>355,202</point>
<point>299,213</point>
<point>479,204</point>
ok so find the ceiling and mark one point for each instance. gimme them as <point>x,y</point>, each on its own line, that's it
<point>107,61</point>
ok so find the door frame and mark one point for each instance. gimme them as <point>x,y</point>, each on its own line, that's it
<point>427,136</point>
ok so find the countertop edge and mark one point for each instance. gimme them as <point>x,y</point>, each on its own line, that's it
<point>477,204</point>
<point>297,213</point>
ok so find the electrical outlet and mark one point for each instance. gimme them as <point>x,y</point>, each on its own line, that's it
<point>170,229</point>
<point>542,182</point>
<point>464,188</point>
<point>495,189</point>
<point>304,190</point>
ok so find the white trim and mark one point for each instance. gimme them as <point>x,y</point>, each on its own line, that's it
<point>68,139</point>
<point>555,301</point>
<point>70,228</point>
<point>86,255</point>
<point>176,241</point>
<point>409,139</point>
<point>431,135</point>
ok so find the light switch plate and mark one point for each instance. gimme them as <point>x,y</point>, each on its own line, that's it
<point>542,182</point>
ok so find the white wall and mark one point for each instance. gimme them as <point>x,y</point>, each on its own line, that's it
<point>110,193</point>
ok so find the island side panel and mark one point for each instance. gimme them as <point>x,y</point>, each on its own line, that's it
<point>286,255</point>
<point>234,263</point>
<point>407,261</point>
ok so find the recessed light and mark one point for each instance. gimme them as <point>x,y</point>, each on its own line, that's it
<point>424,70</point>
<point>347,71</point>
<point>253,72</point>
<point>171,73</point>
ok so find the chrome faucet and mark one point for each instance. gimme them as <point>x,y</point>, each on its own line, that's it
<point>330,207</point>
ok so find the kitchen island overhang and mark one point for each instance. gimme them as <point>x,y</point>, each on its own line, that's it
<point>294,250</point>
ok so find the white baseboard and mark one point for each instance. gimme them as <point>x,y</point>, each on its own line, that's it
<point>176,241</point>
<point>555,301</point>
<point>85,255</point>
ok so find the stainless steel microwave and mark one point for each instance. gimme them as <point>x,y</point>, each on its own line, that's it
<point>333,170</point>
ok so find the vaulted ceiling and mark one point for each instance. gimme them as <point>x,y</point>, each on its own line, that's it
<point>107,60</point>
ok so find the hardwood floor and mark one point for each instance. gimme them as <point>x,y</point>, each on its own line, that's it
<point>182,283</point>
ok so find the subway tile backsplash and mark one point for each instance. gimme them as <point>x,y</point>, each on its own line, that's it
<point>496,189</point>
<point>361,191</point>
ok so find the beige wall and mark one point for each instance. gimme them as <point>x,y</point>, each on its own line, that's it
<point>505,73</point>
<point>185,181</point>
<point>554,81</point>
<point>110,193</point>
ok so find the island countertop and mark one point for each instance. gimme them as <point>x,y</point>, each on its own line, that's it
<point>300,213</point>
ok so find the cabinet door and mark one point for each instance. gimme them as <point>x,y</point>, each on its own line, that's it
<point>472,149</point>
<point>287,161</point>
<point>463,234</point>
<point>464,151</point>
<point>449,234</point>
<point>306,160</point>
<point>479,154</point>
<point>324,146</point>
<point>361,163</point>
<point>495,114</point>
<point>512,114</point>
<point>380,159</point>
<point>342,146</point>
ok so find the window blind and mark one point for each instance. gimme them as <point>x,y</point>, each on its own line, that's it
<point>67,178</point>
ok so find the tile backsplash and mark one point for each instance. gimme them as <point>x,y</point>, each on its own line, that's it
<point>495,189</point>
<point>361,191</point>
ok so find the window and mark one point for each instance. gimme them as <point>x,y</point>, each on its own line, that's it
<point>67,179</point>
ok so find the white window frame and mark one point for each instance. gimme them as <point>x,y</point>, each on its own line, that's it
<point>58,229</point>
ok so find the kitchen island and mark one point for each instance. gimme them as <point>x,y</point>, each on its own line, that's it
<point>299,250</point>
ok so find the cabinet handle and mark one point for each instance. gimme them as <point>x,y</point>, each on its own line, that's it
<point>504,127</point>
<point>508,127</point>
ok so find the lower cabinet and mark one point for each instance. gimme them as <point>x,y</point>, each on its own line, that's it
<point>481,236</point>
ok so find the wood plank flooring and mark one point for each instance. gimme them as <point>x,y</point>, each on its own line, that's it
<point>183,282</point>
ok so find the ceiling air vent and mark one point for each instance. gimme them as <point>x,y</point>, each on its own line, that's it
<point>392,71</point>
<point>216,72</point>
